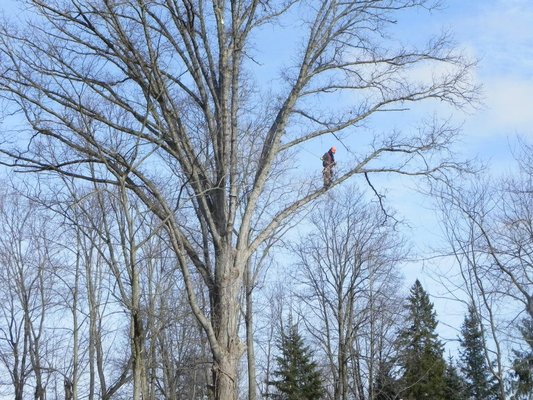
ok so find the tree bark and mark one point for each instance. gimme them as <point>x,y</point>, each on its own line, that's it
<point>226,315</point>
<point>249,322</point>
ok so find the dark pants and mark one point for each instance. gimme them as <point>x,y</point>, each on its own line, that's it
<point>327,174</point>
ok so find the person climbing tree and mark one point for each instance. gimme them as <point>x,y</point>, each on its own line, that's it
<point>328,161</point>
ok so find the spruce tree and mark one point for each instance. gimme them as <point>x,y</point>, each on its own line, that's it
<point>479,385</point>
<point>421,360</point>
<point>523,364</point>
<point>385,383</point>
<point>455,383</point>
<point>297,375</point>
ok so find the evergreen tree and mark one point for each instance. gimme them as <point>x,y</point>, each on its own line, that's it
<point>385,384</point>
<point>479,385</point>
<point>455,383</point>
<point>421,360</point>
<point>297,374</point>
<point>523,364</point>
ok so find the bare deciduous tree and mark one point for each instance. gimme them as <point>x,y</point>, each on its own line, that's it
<point>489,226</point>
<point>27,259</point>
<point>159,95</point>
<point>348,267</point>
<point>108,371</point>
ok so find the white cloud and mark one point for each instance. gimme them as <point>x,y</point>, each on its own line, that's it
<point>507,19</point>
<point>509,103</point>
<point>500,33</point>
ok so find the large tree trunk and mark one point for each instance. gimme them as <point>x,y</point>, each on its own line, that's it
<point>137,330</point>
<point>249,321</point>
<point>226,315</point>
<point>72,385</point>
<point>137,343</point>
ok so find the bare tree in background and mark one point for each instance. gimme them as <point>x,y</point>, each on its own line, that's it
<point>14,352</point>
<point>27,257</point>
<point>166,353</point>
<point>160,95</point>
<point>489,227</point>
<point>276,308</point>
<point>347,266</point>
<point>106,367</point>
<point>478,278</point>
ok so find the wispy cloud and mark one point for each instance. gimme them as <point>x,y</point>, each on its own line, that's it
<point>504,36</point>
<point>500,34</point>
<point>509,103</point>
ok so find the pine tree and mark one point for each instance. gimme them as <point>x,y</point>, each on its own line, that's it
<point>479,385</point>
<point>297,374</point>
<point>385,384</point>
<point>455,383</point>
<point>421,360</point>
<point>523,364</point>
